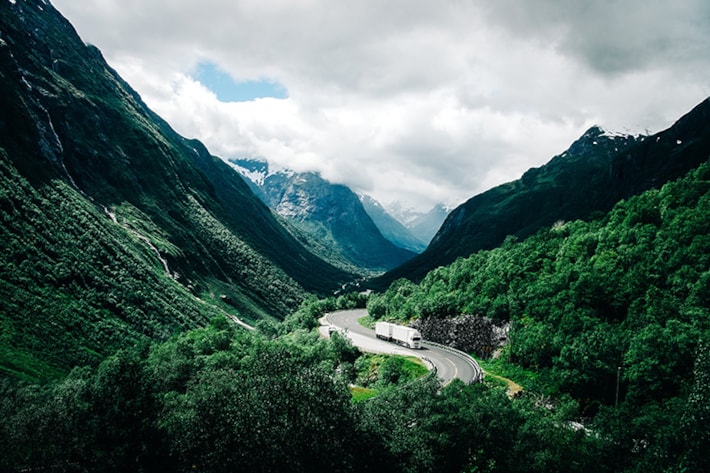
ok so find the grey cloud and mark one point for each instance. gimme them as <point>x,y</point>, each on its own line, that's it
<point>427,100</point>
<point>612,36</point>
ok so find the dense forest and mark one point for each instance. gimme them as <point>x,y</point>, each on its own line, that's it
<point>625,295</point>
<point>614,313</point>
<point>221,399</point>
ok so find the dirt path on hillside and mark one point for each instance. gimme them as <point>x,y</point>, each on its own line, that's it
<point>513,387</point>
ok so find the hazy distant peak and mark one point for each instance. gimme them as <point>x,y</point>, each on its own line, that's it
<point>408,215</point>
<point>370,200</point>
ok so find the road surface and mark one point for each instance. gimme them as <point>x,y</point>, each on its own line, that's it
<point>449,363</point>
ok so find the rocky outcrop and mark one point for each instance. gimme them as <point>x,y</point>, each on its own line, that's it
<point>469,333</point>
<point>329,215</point>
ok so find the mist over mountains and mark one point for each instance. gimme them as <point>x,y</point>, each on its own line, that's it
<point>333,216</point>
<point>395,230</point>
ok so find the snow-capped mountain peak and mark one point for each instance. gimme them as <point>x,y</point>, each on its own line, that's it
<point>254,170</point>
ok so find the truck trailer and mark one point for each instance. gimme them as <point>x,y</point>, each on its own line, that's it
<point>404,336</point>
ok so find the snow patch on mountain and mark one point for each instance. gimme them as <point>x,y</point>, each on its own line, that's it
<point>405,215</point>
<point>613,134</point>
<point>423,225</point>
<point>256,170</point>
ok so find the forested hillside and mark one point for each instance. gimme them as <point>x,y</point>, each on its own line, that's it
<point>597,170</point>
<point>114,227</point>
<point>627,295</point>
<point>221,399</point>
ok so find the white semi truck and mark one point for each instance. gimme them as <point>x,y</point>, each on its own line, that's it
<point>405,336</point>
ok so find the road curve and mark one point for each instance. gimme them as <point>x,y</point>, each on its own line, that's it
<point>449,363</point>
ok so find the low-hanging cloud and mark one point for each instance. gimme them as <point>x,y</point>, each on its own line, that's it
<point>414,100</point>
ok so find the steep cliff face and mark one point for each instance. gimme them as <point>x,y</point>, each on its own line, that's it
<point>113,224</point>
<point>331,216</point>
<point>469,333</point>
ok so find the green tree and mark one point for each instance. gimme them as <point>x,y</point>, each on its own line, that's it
<point>271,414</point>
<point>397,422</point>
<point>695,420</point>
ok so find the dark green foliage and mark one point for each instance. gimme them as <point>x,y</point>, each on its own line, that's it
<point>99,420</point>
<point>271,412</point>
<point>625,296</point>
<point>518,436</point>
<point>112,225</point>
<point>74,285</point>
<point>215,399</point>
<point>474,428</point>
<point>695,417</point>
<point>220,399</point>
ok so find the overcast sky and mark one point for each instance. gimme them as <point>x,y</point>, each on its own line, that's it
<point>417,101</point>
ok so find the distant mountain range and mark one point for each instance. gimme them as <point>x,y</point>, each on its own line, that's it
<point>597,171</point>
<point>391,228</point>
<point>406,225</point>
<point>330,216</point>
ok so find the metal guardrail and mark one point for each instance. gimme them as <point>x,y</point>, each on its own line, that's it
<point>428,362</point>
<point>478,376</point>
<point>478,372</point>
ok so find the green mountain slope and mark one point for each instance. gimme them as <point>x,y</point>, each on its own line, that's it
<point>115,228</point>
<point>597,171</point>
<point>614,313</point>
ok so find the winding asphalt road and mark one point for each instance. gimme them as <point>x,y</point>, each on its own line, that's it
<point>449,363</point>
